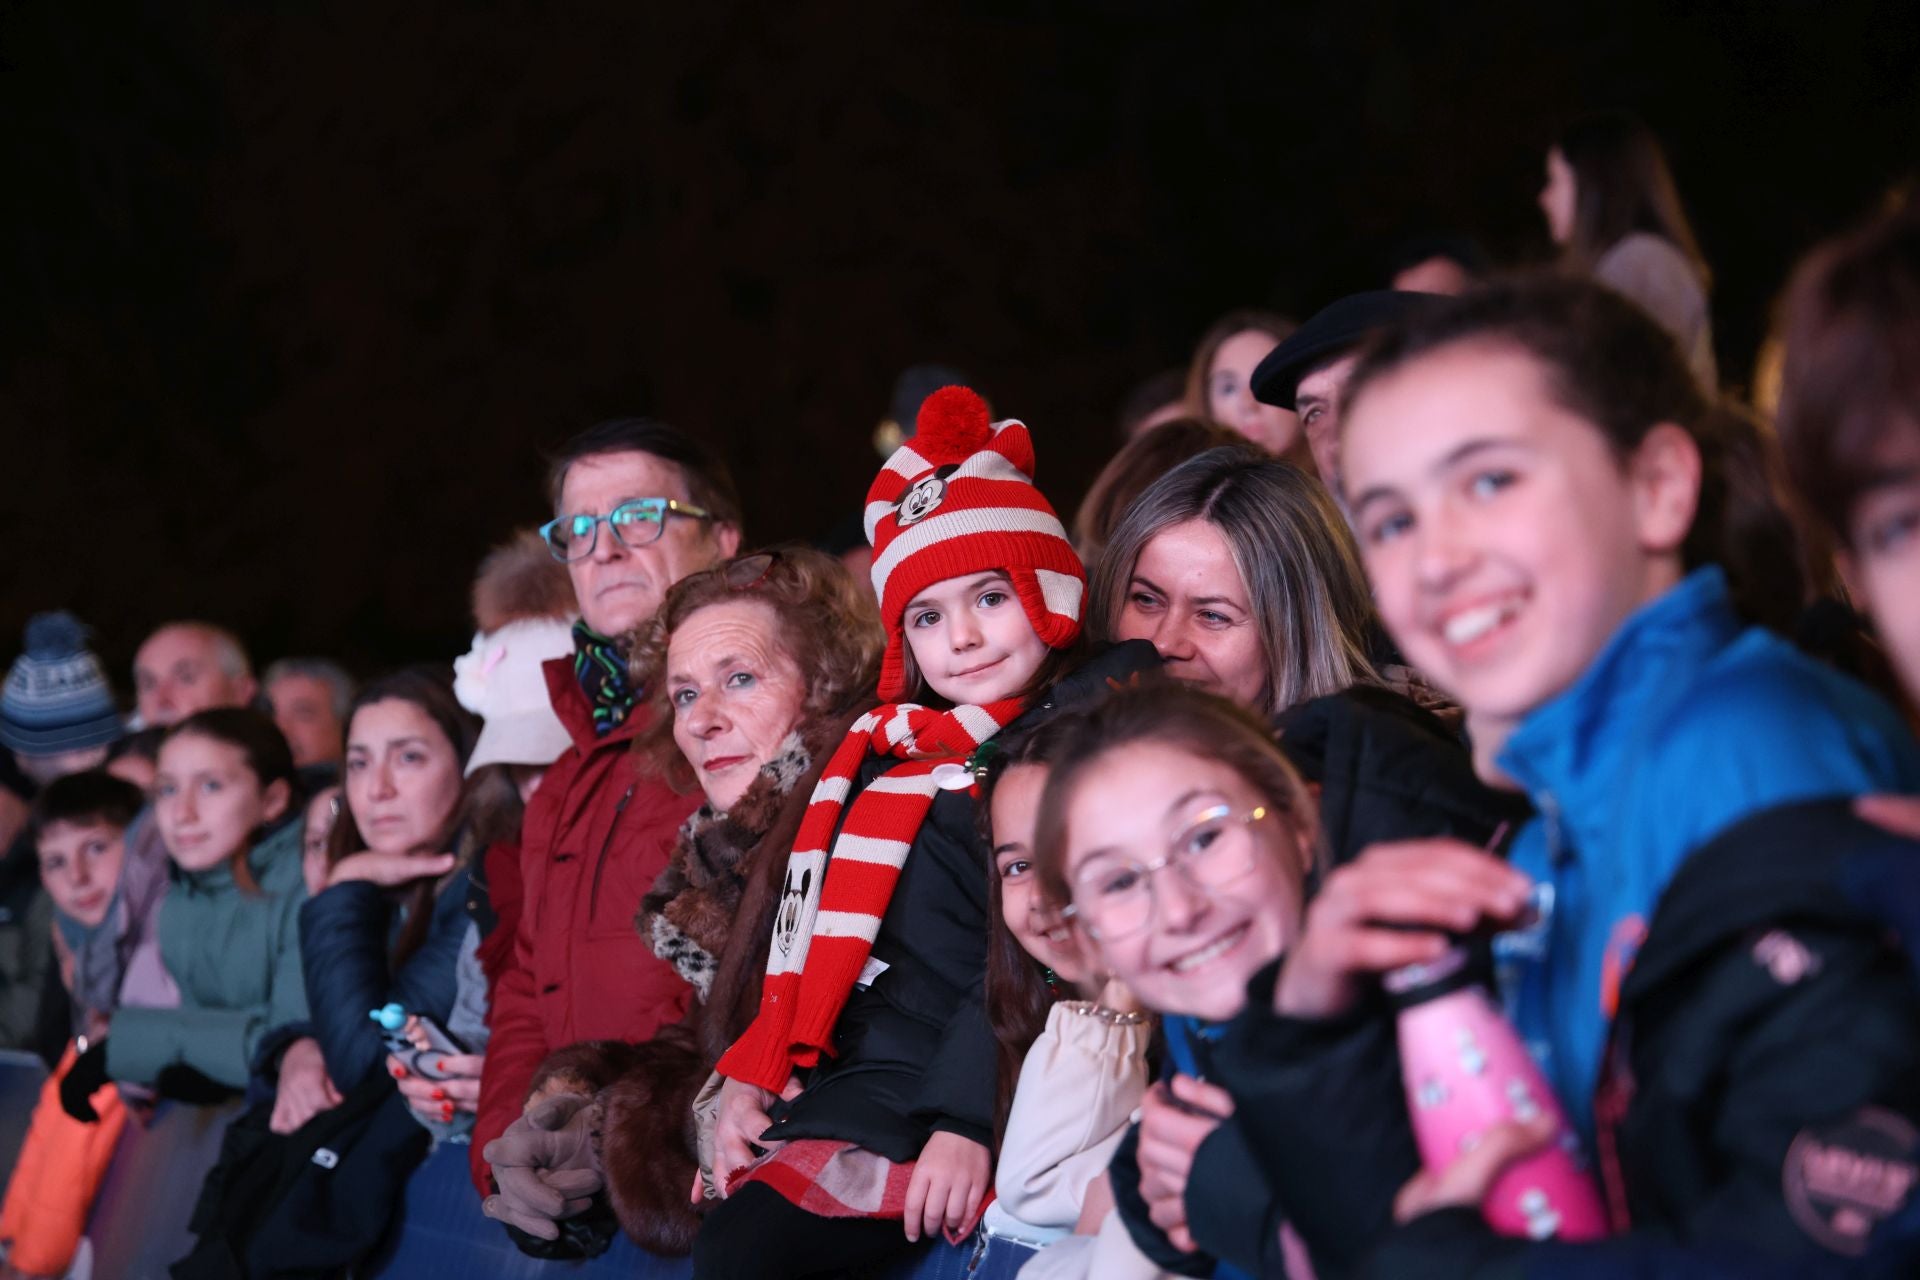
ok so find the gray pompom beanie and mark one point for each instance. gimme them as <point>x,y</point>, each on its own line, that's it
<point>56,698</point>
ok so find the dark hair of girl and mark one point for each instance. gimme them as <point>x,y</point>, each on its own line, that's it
<point>1622,185</point>
<point>431,690</point>
<point>1018,994</point>
<point>268,758</point>
<point>1607,361</point>
<point>1187,719</point>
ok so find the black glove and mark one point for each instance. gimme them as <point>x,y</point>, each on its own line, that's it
<point>585,1235</point>
<point>83,1080</point>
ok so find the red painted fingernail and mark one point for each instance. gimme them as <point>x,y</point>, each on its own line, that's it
<point>446,1111</point>
<point>399,1072</point>
<point>440,1065</point>
<point>438,1094</point>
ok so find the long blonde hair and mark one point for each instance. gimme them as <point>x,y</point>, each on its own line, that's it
<point>1294,552</point>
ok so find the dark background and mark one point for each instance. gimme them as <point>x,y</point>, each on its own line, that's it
<point>293,296</point>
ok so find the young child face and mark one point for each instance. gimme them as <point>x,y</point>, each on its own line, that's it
<point>1505,540</point>
<point>208,802</point>
<point>1035,924</point>
<point>79,865</point>
<point>1186,937</point>
<point>402,778</point>
<point>971,639</point>
<point>1883,534</point>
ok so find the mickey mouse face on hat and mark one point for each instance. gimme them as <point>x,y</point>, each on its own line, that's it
<point>924,496</point>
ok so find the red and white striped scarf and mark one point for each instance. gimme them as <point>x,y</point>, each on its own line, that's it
<point>834,902</point>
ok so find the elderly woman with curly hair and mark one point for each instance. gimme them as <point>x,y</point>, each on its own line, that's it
<point>757,667</point>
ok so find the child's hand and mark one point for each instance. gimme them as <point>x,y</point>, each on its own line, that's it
<point>949,1180</point>
<point>1173,1123</point>
<point>741,1119</point>
<point>389,870</point>
<point>1465,1182</point>
<point>305,1091</point>
<point>1359,922</point>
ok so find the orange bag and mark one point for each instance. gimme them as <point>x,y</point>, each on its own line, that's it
<point>57,1176</point>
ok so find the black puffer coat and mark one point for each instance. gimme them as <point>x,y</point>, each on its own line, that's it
<point>1757,1115</point>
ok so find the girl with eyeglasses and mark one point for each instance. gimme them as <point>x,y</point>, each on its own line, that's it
<point>1072,1043</point>
<point>1183,843</point>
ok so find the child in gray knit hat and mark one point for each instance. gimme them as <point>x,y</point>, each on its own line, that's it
<point>56,713</point>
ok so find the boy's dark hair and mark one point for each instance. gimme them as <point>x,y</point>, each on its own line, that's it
<point>1851,326</point>
<point>709,483</point>
<point>92,796</point>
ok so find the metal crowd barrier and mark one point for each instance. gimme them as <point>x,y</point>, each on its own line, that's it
<point>139,1222</point>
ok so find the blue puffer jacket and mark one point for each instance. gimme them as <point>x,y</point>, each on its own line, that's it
<point>346,938</point>
<point>1686,723</point>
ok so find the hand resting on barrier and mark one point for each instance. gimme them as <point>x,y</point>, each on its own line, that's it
<point>546,1166</point>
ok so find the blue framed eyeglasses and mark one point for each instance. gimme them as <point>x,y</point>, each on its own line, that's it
<point>636,524</point>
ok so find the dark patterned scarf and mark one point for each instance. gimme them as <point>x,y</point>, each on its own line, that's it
<point>601,669</point>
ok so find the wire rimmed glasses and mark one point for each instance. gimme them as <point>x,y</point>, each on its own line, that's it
<point>1113,897</point>
<point>637,522</point>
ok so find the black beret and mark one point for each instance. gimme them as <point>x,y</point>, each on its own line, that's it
<point>1333,331</point>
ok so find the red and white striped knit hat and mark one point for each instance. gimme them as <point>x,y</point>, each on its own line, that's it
<point>959,498</point>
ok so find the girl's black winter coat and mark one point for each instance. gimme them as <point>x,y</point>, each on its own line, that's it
<point>1768,1033</point>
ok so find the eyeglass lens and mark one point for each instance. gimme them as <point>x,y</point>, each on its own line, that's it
<point>1212,851</point>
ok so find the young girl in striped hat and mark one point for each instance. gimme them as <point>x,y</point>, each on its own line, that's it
<point>857,1112</point>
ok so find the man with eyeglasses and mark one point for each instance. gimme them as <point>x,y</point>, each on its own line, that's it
<point>638,506</point>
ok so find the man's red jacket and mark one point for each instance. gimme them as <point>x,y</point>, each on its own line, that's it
<point>597,834</point>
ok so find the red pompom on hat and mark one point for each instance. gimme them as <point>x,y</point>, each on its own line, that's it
<point>959,498</point>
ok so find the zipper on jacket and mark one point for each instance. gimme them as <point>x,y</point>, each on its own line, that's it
<point>1557,850</point>
<point>600,864</point>
<point>1611,1102</point>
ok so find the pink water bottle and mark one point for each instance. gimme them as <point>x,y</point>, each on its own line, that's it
<point>1466,1070</point>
